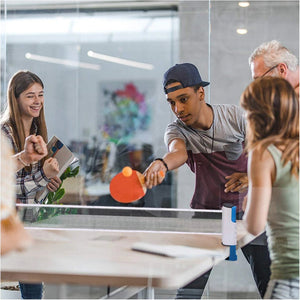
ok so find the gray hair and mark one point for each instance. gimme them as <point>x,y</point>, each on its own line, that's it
<point>273,53</point>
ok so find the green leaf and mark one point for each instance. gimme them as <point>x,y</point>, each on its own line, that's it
<point>59,194</point>
<point>74,172</point>
<point>54,197</point>
<point>65,174</point>
<point>50,196</point>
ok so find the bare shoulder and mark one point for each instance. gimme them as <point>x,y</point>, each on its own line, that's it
<point>259,156</point>
<point>262,164</point>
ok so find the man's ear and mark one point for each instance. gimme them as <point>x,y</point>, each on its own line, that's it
<point>201,93</point>
<point>282,67</point>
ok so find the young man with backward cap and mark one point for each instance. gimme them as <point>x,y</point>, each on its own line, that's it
<point>210,139</point>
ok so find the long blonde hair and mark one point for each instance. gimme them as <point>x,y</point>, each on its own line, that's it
<point>272,108</point>
<point>20,82</point>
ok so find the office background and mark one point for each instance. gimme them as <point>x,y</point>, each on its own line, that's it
<point>102,64</point>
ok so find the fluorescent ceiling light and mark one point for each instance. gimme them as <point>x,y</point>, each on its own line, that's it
<point>121,61</point>
<point>241,30</point>
<point>66,62</point>
<point>244,4</point>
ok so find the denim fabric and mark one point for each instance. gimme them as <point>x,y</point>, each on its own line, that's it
<point>259,260</point>
<point>31,290</point>
<point>283,289</point>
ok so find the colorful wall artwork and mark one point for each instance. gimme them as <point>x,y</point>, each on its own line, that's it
<point>125,111</point>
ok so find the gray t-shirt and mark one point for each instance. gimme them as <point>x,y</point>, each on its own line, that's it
<point>214,154</point>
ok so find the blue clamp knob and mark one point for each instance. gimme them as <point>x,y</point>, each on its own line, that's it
<point>232,253</point>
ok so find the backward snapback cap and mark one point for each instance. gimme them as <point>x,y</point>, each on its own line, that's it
<point>187,74</point>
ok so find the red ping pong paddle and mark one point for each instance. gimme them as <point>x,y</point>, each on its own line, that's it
<point>128,186</point>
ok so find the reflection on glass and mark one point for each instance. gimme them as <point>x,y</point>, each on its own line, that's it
<point>103,72</point>
<point>112,115</point>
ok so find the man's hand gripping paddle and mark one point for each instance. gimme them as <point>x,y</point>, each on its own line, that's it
<point>129,185</point>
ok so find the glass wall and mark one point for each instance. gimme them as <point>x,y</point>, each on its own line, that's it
<point>210,39</point>
<point>102,64</point>
<point>102,70</point>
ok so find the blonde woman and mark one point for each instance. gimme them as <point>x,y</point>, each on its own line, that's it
<point>272,109</point>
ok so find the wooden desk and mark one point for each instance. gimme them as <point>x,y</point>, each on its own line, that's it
<point>104,257</point>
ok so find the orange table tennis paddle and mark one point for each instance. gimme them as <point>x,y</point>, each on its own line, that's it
<point>128,186</point>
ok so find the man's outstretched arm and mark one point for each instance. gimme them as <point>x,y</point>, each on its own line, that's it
<point>175,158</point>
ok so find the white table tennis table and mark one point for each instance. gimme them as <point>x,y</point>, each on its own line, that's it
<point>93,246</point>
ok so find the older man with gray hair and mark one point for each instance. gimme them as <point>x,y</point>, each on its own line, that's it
<point>273,59</point>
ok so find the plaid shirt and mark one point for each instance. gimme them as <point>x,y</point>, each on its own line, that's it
<point>28,183</point>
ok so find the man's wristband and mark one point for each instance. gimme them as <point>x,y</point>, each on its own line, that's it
<point>165,164</point>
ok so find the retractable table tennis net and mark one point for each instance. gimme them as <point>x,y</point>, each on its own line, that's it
<point>120,218</point>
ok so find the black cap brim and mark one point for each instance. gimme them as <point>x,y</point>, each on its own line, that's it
<point>204,83</point>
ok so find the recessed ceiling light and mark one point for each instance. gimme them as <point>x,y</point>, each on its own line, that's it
<point>241,30</point>
<point>244,4</point>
